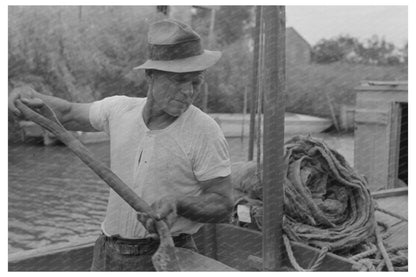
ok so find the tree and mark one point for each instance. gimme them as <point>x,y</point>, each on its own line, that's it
<point>348,49</point>
<point>231,23</point>
<point>327,51</point>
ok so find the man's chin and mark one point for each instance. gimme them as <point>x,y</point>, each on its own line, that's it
<point>176,112</point>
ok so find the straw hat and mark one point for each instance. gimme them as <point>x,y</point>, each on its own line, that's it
<point>173,46</point>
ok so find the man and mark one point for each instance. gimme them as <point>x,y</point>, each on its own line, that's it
<point>168,151</point>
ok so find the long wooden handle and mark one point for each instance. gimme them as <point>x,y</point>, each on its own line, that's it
<point>87,157</point>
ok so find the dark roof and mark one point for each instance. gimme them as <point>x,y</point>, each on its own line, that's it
<point>291,29</point>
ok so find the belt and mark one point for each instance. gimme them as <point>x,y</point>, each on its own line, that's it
<point>146,246</point>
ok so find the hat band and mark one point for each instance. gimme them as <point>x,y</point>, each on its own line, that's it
<point>175,51</point>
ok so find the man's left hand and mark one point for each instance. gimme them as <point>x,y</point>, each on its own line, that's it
<point>165,208</point>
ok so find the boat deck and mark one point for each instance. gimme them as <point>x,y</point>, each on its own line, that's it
<point>399,229</point>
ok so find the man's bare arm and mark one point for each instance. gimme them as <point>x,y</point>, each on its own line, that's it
<point>214,205</point>
<point>74,116</point>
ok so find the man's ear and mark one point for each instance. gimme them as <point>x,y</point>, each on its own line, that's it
<point>149,79</point>
<point>148,75</point>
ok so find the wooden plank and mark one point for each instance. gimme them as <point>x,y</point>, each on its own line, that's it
<point>78,257</point>
<point>371,116</point>
<point>273,142</point>
<point>390,193</point>
<point>385,96</point>
<point>50,250</point>
<point>73,257</point>
<point>210,241</point>
<point>396,202</point>
<point>305,254</point>
<point>241,248</point>
<point>386,83</point>
<point>393,129</point>
<point>191,261</point>
<point>393,89</point>
<point>236,244</point>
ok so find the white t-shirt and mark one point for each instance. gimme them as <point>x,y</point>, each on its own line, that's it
<point>157,163</point>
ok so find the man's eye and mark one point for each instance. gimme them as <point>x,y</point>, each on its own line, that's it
<point>196,82</point>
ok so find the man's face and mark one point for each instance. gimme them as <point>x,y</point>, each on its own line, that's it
<point>174,92</point>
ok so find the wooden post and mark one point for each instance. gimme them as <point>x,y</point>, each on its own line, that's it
<point>243,122</point>
<point>211,29</point>
<point>332,110</point>
<point>210,45</point>
<point>260,97</point>
<point>254,84</point>
<point>205,98</point>
<point>273,138</point>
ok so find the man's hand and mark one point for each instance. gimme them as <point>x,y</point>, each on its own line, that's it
<point>166,209</point>
<point>27,95</point>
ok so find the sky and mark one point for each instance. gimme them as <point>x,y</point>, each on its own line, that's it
<point>317,22</point>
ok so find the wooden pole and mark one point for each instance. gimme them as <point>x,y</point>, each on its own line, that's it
<point>260,78</point>
<point>211,29</point>
<point>210,45</point>
<point>205,98</point>
<point>254,86</point>
<point>332,110</point>
<point>243,121</point>
<point>273,136</point>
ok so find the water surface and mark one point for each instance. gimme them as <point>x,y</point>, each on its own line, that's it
<point>54,198</point>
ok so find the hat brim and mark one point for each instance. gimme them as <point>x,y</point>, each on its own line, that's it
<point>196,63</point>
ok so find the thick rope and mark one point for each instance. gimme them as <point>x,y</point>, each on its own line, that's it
<point>383,251</point>
<point>290,255</point>
<point>367,265</point>
<point>320,259</point>
<point>386,231</point>
<point>365,254</point>
<point>327,204</point>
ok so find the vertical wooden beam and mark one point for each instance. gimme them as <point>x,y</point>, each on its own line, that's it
<point>393,133</point>
<point>211,29</point>
<point>205,98</point>
<point>254,84</point>
<point>273,142</point>
<point>243,121</point>
<point>260,87</point>
<point>211,36</point>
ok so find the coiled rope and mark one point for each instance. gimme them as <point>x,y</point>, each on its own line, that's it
<point>327,205</point>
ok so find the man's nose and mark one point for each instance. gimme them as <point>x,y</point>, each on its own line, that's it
<point>186,90</point>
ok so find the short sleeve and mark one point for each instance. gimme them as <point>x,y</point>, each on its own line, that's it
<point>100,112</point>
<point>212,159</point>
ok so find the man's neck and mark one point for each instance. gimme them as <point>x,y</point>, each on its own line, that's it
<point>154,118</point>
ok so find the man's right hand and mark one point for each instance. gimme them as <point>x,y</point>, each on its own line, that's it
<point>27,95</point>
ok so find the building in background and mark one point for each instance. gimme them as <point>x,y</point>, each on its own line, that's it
<point>298,50</point>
